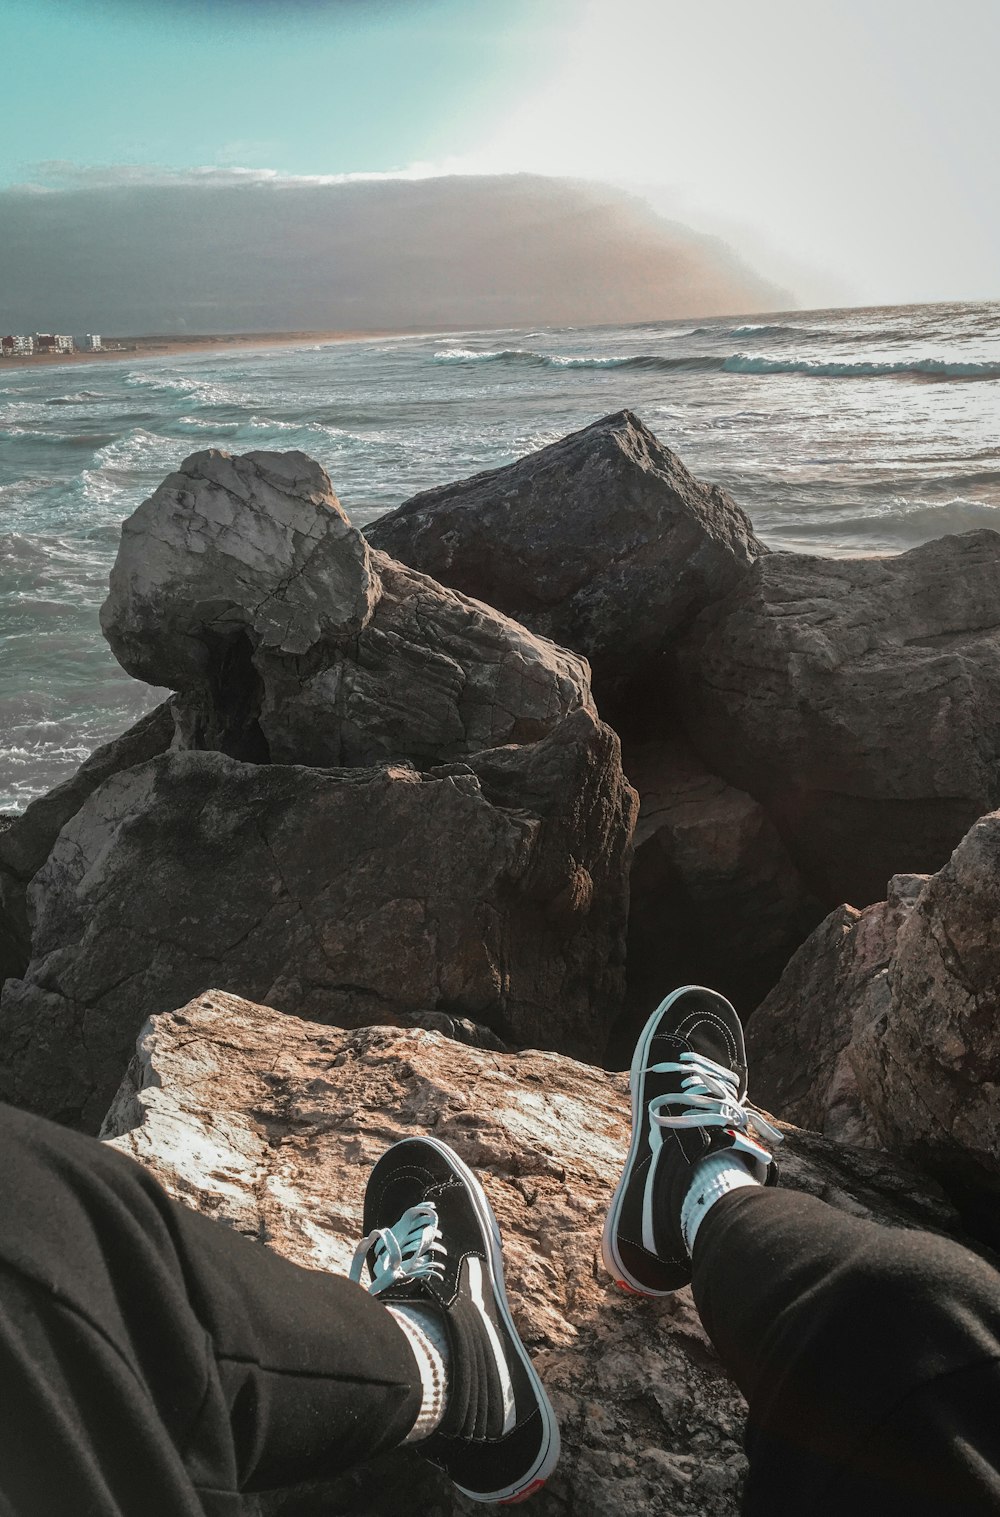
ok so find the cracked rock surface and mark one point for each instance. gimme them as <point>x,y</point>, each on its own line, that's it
<point>603,541</point>
<point>885,1027</point>
<point>26,842</point>
<point>241,584</point>
<point>799,1039</point>
<point>858,699</point>
<point>272,1124</point>
<point>493,891</point>
<point>928,1064</point>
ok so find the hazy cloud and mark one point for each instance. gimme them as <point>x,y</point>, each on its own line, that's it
<point>132,249</point>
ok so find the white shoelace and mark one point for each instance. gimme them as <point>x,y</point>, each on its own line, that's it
<point>405,1251</point>
<point>709,1096</point>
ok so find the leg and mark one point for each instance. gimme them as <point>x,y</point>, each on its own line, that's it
<point>152,1360</point>
<point>870,1358</point>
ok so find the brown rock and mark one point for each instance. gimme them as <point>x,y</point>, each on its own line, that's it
<point>602,541</point>
<point>798,1040</point>
<point>272,1124</point>
<point>494,891</point>
<point>859,701</point>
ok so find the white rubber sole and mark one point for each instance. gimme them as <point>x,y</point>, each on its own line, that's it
<point>609,1238</point>
<point>548,1456</point>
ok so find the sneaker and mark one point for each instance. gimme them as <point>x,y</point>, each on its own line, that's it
<point>432,1239</point>
<point>689,1086</point>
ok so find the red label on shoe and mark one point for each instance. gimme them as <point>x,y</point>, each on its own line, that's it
<point>528,1491</point>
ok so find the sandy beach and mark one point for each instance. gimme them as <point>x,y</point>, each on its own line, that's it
<point>167,346</point>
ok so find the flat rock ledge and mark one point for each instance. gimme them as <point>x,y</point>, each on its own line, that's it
<point>272,1125</point>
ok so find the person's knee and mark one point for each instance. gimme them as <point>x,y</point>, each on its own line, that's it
<point>903,1285</point>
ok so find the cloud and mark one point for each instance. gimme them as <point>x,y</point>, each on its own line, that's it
<point>139,249</point>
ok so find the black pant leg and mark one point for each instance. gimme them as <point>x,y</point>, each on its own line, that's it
<point>155,1362</point>
<point>869,1356</point>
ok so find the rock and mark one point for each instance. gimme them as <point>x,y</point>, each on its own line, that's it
<point>714,898</point>
<point>859,701</point>
<point>26,840</point>
<point>928,1063</point>
<point>272,1124</point>
<point>602,541</point>
<point>242,585</point>
<point>255,546</point>
<point>799,1038</point>
<point>494,890</point>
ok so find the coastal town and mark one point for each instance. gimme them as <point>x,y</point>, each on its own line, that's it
<point>49,344</point>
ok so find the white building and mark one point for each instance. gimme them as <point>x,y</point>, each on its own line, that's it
<point>64,343</point>
<point>17,346</point>
<point>93,342</point>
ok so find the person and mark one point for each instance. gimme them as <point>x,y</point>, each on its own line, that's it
<point>154,1362</point>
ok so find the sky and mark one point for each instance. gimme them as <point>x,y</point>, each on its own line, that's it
<point>846,150</point>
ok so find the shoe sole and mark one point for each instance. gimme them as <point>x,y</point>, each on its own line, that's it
<point>533,1479</point>
<point>609,1239</point>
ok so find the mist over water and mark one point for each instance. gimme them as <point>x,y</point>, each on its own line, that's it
<point>839,432</point>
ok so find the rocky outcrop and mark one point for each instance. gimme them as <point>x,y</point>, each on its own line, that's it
<point>859,701</point>
<point>885,1027</point>
<point>799,1040</point>
<point>714,898</point>
<point>494,890</point>
<point>241,584</point>
<point>928,1063</point>
<point>602,541</point>
<point>272,1124</point>
<point>27,840</point>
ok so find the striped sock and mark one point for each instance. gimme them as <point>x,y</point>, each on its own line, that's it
<point>711,1178</point>
<point>426,1336</point>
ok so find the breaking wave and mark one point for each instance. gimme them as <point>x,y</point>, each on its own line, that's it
<point>906,368</point>
<point>734,363</point>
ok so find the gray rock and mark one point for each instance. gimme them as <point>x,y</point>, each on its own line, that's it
<point>602,541</point>
<point>255,546</point>
<point>272,1124</point>
<point>928,1062</point>
<point>241,584</point>
<point>799,1038</point>
<point>859,701</point>
<point>494,890</point>
<point>26,841</point>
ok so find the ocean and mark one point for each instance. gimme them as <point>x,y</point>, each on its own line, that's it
<point>842,431</point>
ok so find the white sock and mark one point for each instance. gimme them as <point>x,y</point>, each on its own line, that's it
<point>711,1178</point>
<point>426,1336</point>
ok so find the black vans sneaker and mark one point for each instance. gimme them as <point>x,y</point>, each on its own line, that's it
<point>689,1086</point>
<point>432,1239</point>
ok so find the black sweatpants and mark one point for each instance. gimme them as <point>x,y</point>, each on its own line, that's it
<point>153,1363</point>
<point>870,1359</point>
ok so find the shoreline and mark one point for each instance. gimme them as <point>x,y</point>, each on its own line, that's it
<point>168,347</point>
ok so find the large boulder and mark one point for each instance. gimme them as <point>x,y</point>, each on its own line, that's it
<point>494,890</point>
<point>799,1040</point>
<point>241,584</point>
<point>602,541</point>
<point>928,1064</point>
<point>714,897</point>
<point>271,1125</point>
<point>26,840</point>
<point>858,699</point>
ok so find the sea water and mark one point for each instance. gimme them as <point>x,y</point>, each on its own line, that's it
<point>845,431</point>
